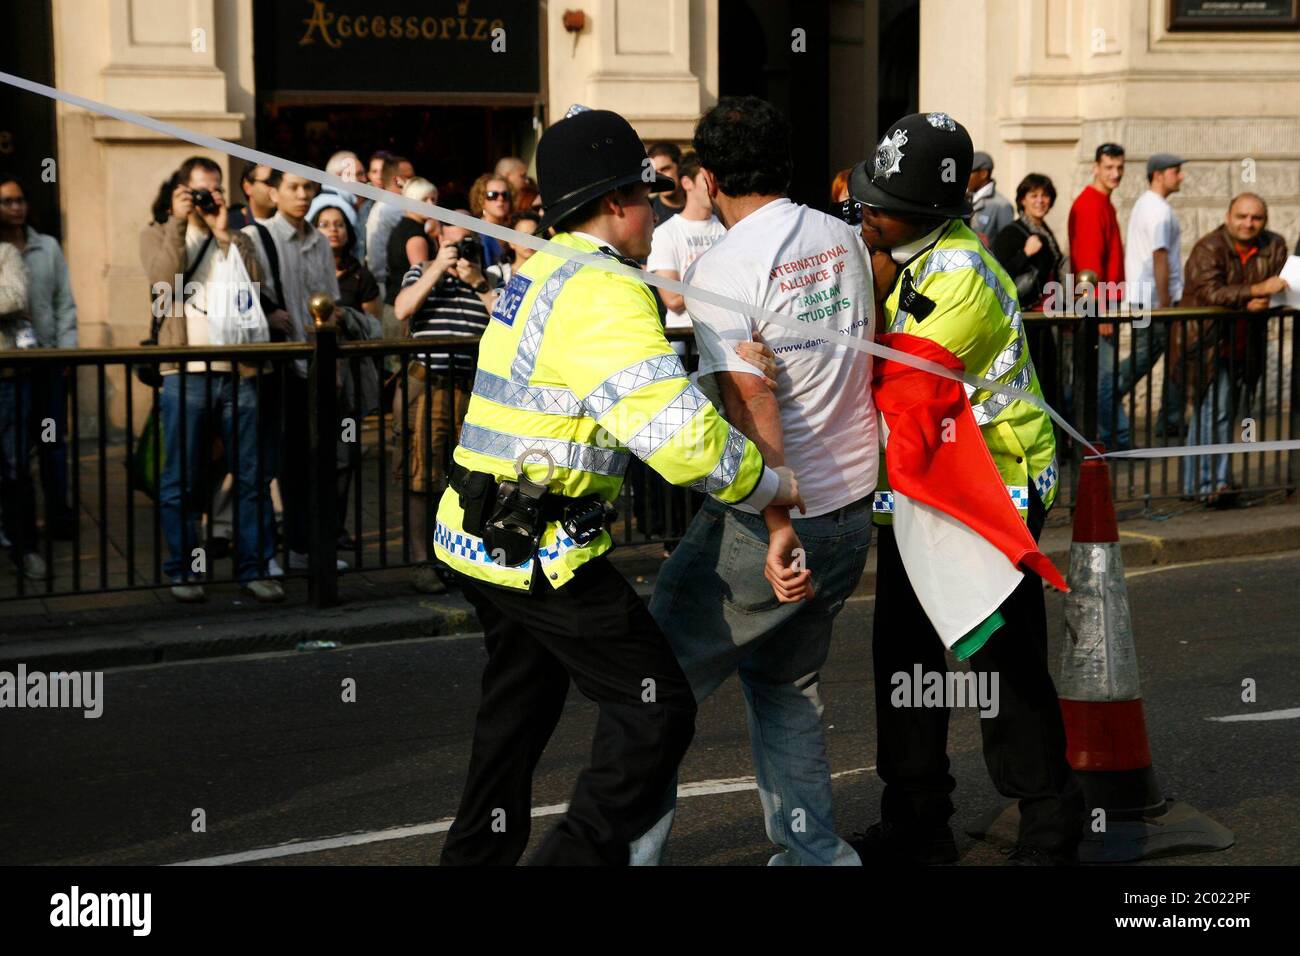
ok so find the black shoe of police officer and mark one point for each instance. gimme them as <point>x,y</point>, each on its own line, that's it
<point>886,842</point>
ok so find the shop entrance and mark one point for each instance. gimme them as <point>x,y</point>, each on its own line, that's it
<point>27,129</point>
<point>449,145</point>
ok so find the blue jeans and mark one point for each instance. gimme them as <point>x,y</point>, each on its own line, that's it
<point>1148,345</point>
<point>180,505</point>
<point>17,493</point>
<point>721,617</point>
<point>1212,419</point>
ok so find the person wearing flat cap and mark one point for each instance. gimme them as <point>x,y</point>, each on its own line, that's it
<point>1153,273</point>
<point>990,210</point>
<point>944,297</point>
<point>574,378</point>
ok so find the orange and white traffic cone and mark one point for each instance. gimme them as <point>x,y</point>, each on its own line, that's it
<point>1101,702</point>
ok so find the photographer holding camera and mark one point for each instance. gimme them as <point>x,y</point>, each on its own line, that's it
<point>447,295</point>
<point>189,236</point>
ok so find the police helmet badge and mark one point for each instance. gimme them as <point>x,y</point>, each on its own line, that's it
<point>941,121</point>
<point>889,154</point>
<point>575,109</point>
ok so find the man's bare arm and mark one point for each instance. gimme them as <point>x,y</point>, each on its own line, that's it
<point>672,301</point>
<point>751,407</point>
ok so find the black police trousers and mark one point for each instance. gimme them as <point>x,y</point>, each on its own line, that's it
<point>596,631</point>
<point>1024,745</point>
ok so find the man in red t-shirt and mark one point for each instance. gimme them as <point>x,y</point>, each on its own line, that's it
<point>1096,245</point>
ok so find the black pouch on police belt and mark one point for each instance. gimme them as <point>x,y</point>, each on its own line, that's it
<point>478,496</point>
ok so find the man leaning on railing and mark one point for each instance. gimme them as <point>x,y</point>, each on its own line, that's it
<point>1235,266</point>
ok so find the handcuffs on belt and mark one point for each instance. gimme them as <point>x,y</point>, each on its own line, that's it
<point>523,508</point>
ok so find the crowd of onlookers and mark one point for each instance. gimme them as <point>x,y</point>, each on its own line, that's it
<point>392,273</point>
<point>397,273</point>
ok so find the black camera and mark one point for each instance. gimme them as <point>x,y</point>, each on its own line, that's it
<point>471,250</point>
<point>203,200</point>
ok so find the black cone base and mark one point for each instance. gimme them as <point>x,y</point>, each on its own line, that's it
<point>1178,830</point>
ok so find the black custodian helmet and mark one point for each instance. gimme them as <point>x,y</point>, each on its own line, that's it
<point>585,155</point>
<point>921,167</point>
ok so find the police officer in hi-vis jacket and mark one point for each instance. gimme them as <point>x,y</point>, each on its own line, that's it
<point>575,377</point>
<point>938,281</point>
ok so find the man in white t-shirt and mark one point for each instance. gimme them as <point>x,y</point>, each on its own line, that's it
<point>1153,272</point>
<point>757,593</point>
<point>683,238</point>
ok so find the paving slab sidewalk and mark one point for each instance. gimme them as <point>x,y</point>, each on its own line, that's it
<point>119,629</point>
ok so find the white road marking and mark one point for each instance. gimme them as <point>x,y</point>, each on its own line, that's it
<point>702,788</point>
<point>1291,713</point>
<point>1239,559</point>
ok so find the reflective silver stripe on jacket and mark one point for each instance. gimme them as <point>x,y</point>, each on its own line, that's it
<point>528,398</point>
<point>994,405</point>
<point>1009,356</point>
<point>589,458</point>
<point>953,260</point>
<point>626,381</point>
<point>724,472</point>
<point>521,370</point>
<point>666,423</point>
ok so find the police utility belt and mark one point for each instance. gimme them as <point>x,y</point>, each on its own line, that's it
<point>510,516</point>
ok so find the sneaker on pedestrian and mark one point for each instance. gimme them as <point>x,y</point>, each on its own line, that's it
<point>425,579</point>
<point>187,591</point>
<point>34,567</point>
<point>273,569</point>
<point>265,590</point>
<point>886,842</point>
<point>299,561</point>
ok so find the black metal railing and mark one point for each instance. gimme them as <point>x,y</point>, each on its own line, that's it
<point>1170,373</point>
<point>360,470</point>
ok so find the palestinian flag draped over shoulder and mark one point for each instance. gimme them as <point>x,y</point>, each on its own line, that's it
<point>960,537</point>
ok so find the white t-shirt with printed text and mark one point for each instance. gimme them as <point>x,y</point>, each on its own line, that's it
<point>677,243</point>
<point>812,268</point>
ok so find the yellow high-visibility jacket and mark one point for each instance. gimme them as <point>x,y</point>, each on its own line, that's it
<point>976,316</point>
<point>574,361</point>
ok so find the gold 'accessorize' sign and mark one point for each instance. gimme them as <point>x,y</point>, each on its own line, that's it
<point>336,29</point>
<point>397,46</point>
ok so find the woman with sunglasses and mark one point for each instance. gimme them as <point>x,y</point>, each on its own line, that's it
<point>490,200</point>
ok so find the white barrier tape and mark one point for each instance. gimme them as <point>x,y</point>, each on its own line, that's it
<point>506,234</point>
<point>1186,451</point>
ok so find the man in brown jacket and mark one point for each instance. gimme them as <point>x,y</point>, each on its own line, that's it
<point>180,250</point>
<point>1236,266</point>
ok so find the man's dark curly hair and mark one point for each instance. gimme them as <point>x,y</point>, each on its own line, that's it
<point>745,143</point>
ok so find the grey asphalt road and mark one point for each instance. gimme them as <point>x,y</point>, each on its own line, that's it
<point>285,772</point>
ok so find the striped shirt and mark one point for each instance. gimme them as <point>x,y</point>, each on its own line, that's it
<point>452,308</point>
